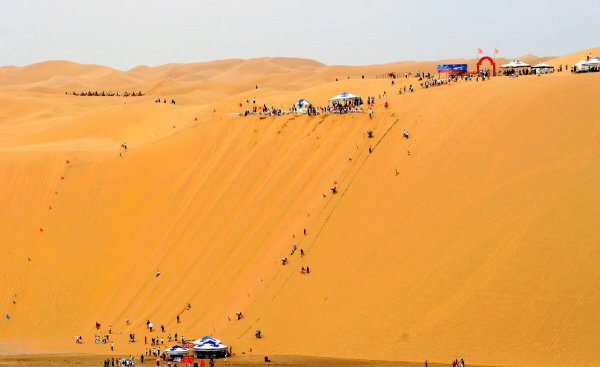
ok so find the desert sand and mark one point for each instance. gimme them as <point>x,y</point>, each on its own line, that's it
<point>287,361</point>
<point>475,238</point>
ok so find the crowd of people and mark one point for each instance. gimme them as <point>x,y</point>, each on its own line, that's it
<point>344,106</point>
<point>355,105</point>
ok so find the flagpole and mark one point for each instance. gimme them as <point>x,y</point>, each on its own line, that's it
<point>495,52</point>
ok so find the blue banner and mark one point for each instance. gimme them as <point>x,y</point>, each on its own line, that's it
<point>444,68</point>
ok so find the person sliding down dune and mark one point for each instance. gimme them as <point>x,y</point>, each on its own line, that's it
<point>405,134</point>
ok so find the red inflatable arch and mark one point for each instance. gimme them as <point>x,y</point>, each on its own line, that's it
<point>491,62</point>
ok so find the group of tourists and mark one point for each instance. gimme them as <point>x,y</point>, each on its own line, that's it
<point>120,362</point>
<point>346,106</point>
<point>263,111</point>
<point>99,339</point>
<point>164,100</point>
<point>153,352</point>
<point>90,93</point>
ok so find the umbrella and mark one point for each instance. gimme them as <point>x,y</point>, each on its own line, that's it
<point>187,360</point>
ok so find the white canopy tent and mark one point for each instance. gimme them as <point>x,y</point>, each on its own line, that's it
<point>344,96</point>
<point>515,64</point>
<point>542,68</point>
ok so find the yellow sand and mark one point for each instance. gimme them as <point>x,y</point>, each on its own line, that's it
<point>483,245</point>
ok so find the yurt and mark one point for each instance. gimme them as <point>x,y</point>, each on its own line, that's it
<point>176,352</point>
<point>210,348</point>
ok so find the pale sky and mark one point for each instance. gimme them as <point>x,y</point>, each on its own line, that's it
<point>127,33</point>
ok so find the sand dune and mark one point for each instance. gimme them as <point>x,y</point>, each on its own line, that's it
<point>572,59</point>
<point>480,243</point>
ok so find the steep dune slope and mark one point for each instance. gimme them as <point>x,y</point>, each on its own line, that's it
<point>476,237</point>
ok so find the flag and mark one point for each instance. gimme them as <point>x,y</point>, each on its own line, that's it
<point>479,51</point>
<point>496,51</point>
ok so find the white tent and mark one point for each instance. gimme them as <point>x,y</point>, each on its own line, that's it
<point>205,339</point>
<point>542,65</point>
<point>302,104</point>
<point>344,96</point>
<point>210,348</point>
<point>595,61</point>
<point>176,350</point>
<point>515,64</point>
<point>580,66</point>
<point>542,68</point>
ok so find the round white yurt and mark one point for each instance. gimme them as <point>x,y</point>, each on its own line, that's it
<point>205,339</point>
<point>208,347</point>
<point>176,352</point>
